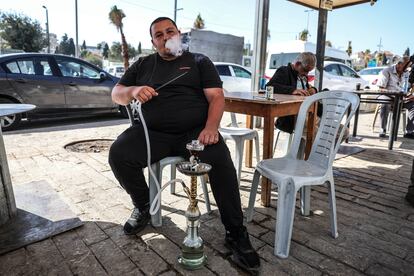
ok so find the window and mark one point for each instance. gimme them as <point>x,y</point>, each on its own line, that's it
<point>13,67</point>
<point>332,69</point>
<point>71,68</point>
<point>223,70</point>
<point>241,73</point>
<point>347,72</point>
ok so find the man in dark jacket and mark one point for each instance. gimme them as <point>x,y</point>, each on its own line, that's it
<point>292,79</point>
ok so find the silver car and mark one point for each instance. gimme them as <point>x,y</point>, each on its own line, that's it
<point>59,86</point>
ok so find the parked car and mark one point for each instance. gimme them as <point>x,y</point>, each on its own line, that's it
<point>338,76</point>
<point>372,75</point>
<point>235,77</point>
<point>117,71</point>
<point>59,86</point>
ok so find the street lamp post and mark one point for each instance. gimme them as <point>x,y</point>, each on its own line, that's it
<point>175,11</point>
<point>47,29</point>
<point>76,35</point>
<point>307,24</point>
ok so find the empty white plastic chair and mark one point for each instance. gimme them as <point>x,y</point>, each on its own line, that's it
<point>157,168</point>
<point>290,173</point>
<point>239,135</point>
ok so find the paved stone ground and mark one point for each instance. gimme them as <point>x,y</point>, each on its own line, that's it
<point>376,225</point>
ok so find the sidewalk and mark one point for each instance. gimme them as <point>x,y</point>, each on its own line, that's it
<point>376,225</point>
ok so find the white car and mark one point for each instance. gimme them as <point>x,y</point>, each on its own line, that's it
<point>372,75</point>
<point>235,77</point>
<point>338,76</point>
<point>117,71</point>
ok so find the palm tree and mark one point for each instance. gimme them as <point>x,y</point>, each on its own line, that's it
<point>349,50</point>
<point>199,22</point>
<point>303,35</point>
<point>115,16</point>
<point>367,56</point>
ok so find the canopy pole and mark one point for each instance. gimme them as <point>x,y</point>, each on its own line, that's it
<point>320,46</point>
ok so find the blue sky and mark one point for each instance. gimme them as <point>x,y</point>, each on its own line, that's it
<point>364,25</point>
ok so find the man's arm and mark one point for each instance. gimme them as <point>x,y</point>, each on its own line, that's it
<point>215,97</point>
<point>280,82</point>
<point>123,95</point>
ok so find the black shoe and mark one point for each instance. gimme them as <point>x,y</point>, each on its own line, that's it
<point>137,221</point>
<point>244,254</point>
<point>410,199</point>
<point>382,135</point>
<point>409,135</point>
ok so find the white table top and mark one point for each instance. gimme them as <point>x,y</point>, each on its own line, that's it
<point>9,109</point>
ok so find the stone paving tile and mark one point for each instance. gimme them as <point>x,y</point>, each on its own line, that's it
<point>376,226</point>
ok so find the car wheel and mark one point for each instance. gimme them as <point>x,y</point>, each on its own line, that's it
<point>12,121</point>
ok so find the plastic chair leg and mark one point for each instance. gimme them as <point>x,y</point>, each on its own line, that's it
<point>205,191</point>
<point>305,192</point>
<point>252,198</point>
<point>156,220</point>
<point>276,140</point>
<point>256,142</point>
<point>284,218</point>
<point>332,204</point>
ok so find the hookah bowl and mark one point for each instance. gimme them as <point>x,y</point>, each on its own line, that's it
<point>192,249</point>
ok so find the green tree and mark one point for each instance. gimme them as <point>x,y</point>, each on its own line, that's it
<point>115,16</point>
<point>105,51</point>
<point>83,47</point>
<point>139,50</point>
<point>21,32</point>
<point>407,52</point>
<point>199,23</point>
<point>64,45</point>
<point>116,51</point>
<point>349,49</point>
<point>367,56</point>
<point>303,35</point>
<point>71,47</point>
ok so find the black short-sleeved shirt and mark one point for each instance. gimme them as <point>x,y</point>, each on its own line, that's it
<point>181,105</point>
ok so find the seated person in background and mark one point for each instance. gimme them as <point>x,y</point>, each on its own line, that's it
<point>292,79</point>
<point>392,78</point>
<point>189,108</point>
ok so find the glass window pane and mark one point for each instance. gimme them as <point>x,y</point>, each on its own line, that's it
<point>26,67</point>
<point>223,70</point>
<point>241,73</point>
<point>12,66</point>
<point>75,69</point>
<point>332,69</point>
<point>347,72</point>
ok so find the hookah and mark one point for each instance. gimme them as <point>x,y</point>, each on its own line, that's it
<point>192,251</point>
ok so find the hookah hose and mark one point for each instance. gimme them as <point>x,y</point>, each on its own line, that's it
<point>156,204</point>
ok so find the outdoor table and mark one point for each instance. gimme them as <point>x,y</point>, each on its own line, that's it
<point>280,105</point>
<point>7,203</point>
<point>396,99</point>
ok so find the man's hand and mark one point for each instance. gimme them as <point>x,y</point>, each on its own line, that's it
<point>311,90</point>
<point>301,92</point>
<point>143,93</point>
<point>208,136</point>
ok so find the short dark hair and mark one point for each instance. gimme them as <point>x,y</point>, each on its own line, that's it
<point>159,19</point>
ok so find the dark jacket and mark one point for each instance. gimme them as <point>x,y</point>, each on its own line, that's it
<point>284,81</point>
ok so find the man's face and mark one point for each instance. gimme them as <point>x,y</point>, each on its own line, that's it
<point>303,70</point>
<point>161,32</point>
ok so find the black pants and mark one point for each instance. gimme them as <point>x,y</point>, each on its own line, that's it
<point>128,156</point>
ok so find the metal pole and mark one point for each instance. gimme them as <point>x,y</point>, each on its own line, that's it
<point>47,29</point>
<point>320,47</point>
<point>175,11</point>
<point>76,36</point>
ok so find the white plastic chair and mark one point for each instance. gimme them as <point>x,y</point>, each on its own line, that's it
<point>239,135</point>
<point>290,173</point>
<point>157,168</point>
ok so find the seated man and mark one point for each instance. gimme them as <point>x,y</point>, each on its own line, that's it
<point>292,79</point>
<point>392,78</point>
<point>187,109</point>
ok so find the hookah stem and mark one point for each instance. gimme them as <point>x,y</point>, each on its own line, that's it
<point>170,81</point>
<point>193,191</point>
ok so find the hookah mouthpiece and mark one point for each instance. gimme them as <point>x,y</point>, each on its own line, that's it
<point>174,45</point>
